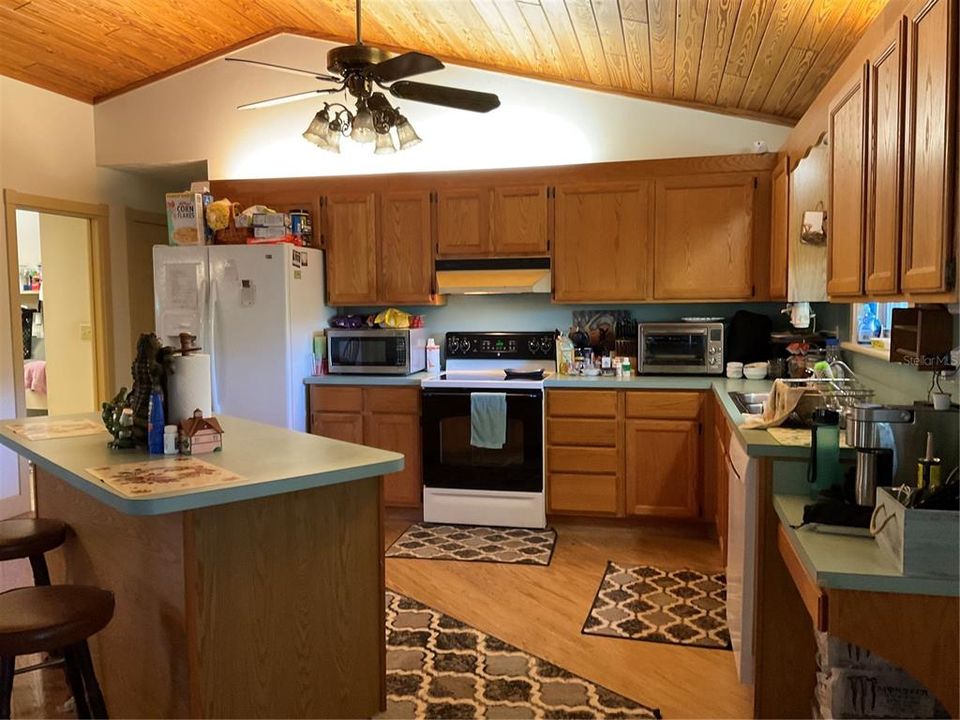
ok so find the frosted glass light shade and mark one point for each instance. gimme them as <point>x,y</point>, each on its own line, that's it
<point>385,144</point>
<point>362,128</point>
<point>407,135</point>
<point>318,129</point>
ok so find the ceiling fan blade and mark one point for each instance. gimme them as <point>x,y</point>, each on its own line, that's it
<point>283,99</point>
<point>446,96</point>
<point>284,68</point>
<point>401,66</point>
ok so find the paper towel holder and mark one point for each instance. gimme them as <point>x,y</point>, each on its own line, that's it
<point>187,344</point>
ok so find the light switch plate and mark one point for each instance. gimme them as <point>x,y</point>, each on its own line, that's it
<point>86,331</point>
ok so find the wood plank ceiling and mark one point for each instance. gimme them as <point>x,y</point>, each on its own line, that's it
<point>757,57</point>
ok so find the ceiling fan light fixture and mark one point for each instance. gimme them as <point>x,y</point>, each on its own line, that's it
<point>406,134</point>
<point>362,130</point>
<point>385,144</point>
<point>318,129</point>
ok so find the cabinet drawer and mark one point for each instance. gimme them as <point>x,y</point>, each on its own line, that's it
<point>396,401</point>
<point>588,494</point>
<point>582,403</point>
<point>684,405</point>
<point>814,599</point>
<point>582,460</point>
<point>576,431</point>
<point>329,398</point>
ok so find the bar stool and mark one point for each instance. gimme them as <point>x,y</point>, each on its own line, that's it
<point>31,538</point>
<point>50,619</point>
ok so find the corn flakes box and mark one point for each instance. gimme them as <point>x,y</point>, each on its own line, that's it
<point>185,218</point>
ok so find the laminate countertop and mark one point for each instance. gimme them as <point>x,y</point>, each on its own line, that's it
<point>267,459</point>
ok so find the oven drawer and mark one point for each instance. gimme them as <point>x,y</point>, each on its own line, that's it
<point>592,433</point>
<point>582,460</point>
<point>582,494</point>
<point>660,405</point>
<point>582,403</point>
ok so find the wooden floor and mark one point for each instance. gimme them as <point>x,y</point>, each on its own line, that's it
<point>540,610</point>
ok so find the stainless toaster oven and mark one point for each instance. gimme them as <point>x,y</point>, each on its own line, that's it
<point>680,348</point>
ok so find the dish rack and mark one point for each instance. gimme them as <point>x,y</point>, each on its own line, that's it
<point>837,393</point>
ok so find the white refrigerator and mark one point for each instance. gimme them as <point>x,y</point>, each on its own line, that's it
<point>254,309</point>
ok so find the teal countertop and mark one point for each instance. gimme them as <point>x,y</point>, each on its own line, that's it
<point>270,461</point>
<point>366,379</point>
<point>845,562</point>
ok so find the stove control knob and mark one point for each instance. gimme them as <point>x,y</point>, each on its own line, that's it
<point>546,343</point>
<point>533,346</point>
<point>453,344</point>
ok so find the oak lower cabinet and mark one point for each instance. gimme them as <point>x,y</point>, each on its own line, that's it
<point>615,453</point>
<point>703,243</point>
<point>493,221</point>
<point>602,238</point>
<point>382,417</point>
<point>379,248</point>
<point>663,453</point>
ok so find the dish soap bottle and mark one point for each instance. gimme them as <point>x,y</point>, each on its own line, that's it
<point>869,326</point>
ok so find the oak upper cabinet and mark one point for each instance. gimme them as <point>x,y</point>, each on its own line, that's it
<point>500,221</point>
<point>779,229</point>
<point>848,159</point>
<point>663,453</point>
<point>929,149</point>
<point>405,245</point>
<point>885,76</point>
<point>703,246</point>
<point>519,221</point>
<point>602,236</point>
<point>350,236</point>
<point>463,222</point>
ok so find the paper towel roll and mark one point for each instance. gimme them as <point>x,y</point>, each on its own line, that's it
<point>189,387</point>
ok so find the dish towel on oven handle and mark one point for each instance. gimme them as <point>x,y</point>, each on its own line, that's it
<point>488,420</point>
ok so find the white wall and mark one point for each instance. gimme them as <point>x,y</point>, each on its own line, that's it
<point>192,115</point>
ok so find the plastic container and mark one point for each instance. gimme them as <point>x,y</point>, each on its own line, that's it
<point>170,440</point>
<point>155,424</point>
<point>433,357</point>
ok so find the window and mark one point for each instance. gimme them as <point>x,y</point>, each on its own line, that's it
<point>872,320</point>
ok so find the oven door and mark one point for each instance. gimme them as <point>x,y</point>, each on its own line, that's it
<point>674,351</point>
<point>450,461</point>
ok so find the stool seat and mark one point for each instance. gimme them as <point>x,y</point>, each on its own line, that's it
<point>52,617</point>
<point>27,537</point>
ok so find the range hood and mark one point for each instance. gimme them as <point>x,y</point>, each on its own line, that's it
<point>500,276</point>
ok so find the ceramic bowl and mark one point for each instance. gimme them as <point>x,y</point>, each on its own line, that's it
<point>755,373</point>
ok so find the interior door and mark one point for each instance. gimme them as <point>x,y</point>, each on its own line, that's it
<point>144,230</point>
<point>703,247</point>
<point>847,181</point>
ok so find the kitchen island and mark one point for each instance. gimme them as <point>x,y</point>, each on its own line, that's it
<point>253,588</point>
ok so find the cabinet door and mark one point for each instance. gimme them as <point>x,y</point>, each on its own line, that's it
<point>399,433</point>
<point>405,245</point>
<point>779,229</point>
<point>703,243</point>
<point>662,467</point>
<point>519,224</point>
<point>929,149</point>
<point>463,222</point>
<point>722,486</point>
<point>847,180</point>
<point>885,75</point>
<point>351,241</point>
<point>338,426</point>
<point>602,232</point>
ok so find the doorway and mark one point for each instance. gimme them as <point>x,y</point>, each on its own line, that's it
<point>144,230</point>
<point>56,313</point>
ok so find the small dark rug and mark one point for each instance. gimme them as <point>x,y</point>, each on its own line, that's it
<point>682,607</point>
<point>475,543</point>
<point>438,667</point>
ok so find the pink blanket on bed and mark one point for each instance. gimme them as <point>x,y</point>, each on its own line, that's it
<point>35,376</point>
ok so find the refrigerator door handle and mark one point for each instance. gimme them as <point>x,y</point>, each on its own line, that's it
<point>212,309</point>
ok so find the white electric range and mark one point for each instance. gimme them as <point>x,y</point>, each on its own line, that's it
<point>463,484</point>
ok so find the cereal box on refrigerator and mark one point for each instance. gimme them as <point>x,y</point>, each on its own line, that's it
<point>185,218</point>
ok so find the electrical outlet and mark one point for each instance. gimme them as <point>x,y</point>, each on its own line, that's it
<point>86,331</point>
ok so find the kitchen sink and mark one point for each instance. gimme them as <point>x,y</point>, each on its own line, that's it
<point>749,403</point>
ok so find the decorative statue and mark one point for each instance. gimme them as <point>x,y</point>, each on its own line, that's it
<point>112,416</point>
<point>149,369</point>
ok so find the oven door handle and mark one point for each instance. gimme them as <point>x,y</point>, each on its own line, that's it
<point>447,393</point>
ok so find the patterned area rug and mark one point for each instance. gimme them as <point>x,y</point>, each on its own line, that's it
<point>476,543</point>
<point>438,667</point>
<point>683,607</point>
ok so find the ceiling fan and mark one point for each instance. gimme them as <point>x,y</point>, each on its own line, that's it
<point>364,72</point>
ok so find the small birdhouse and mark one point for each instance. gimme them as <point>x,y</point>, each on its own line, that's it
<point>200,435</point>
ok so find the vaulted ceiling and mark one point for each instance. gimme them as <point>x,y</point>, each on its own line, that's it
<point>761,57</point>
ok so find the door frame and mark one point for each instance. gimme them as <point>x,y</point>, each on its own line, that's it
<point>99,219</point>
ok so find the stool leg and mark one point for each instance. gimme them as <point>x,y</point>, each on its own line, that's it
<point>71,667</point>
<point>41,576</point>
<point>97,705</point>
<point>6,685</point>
